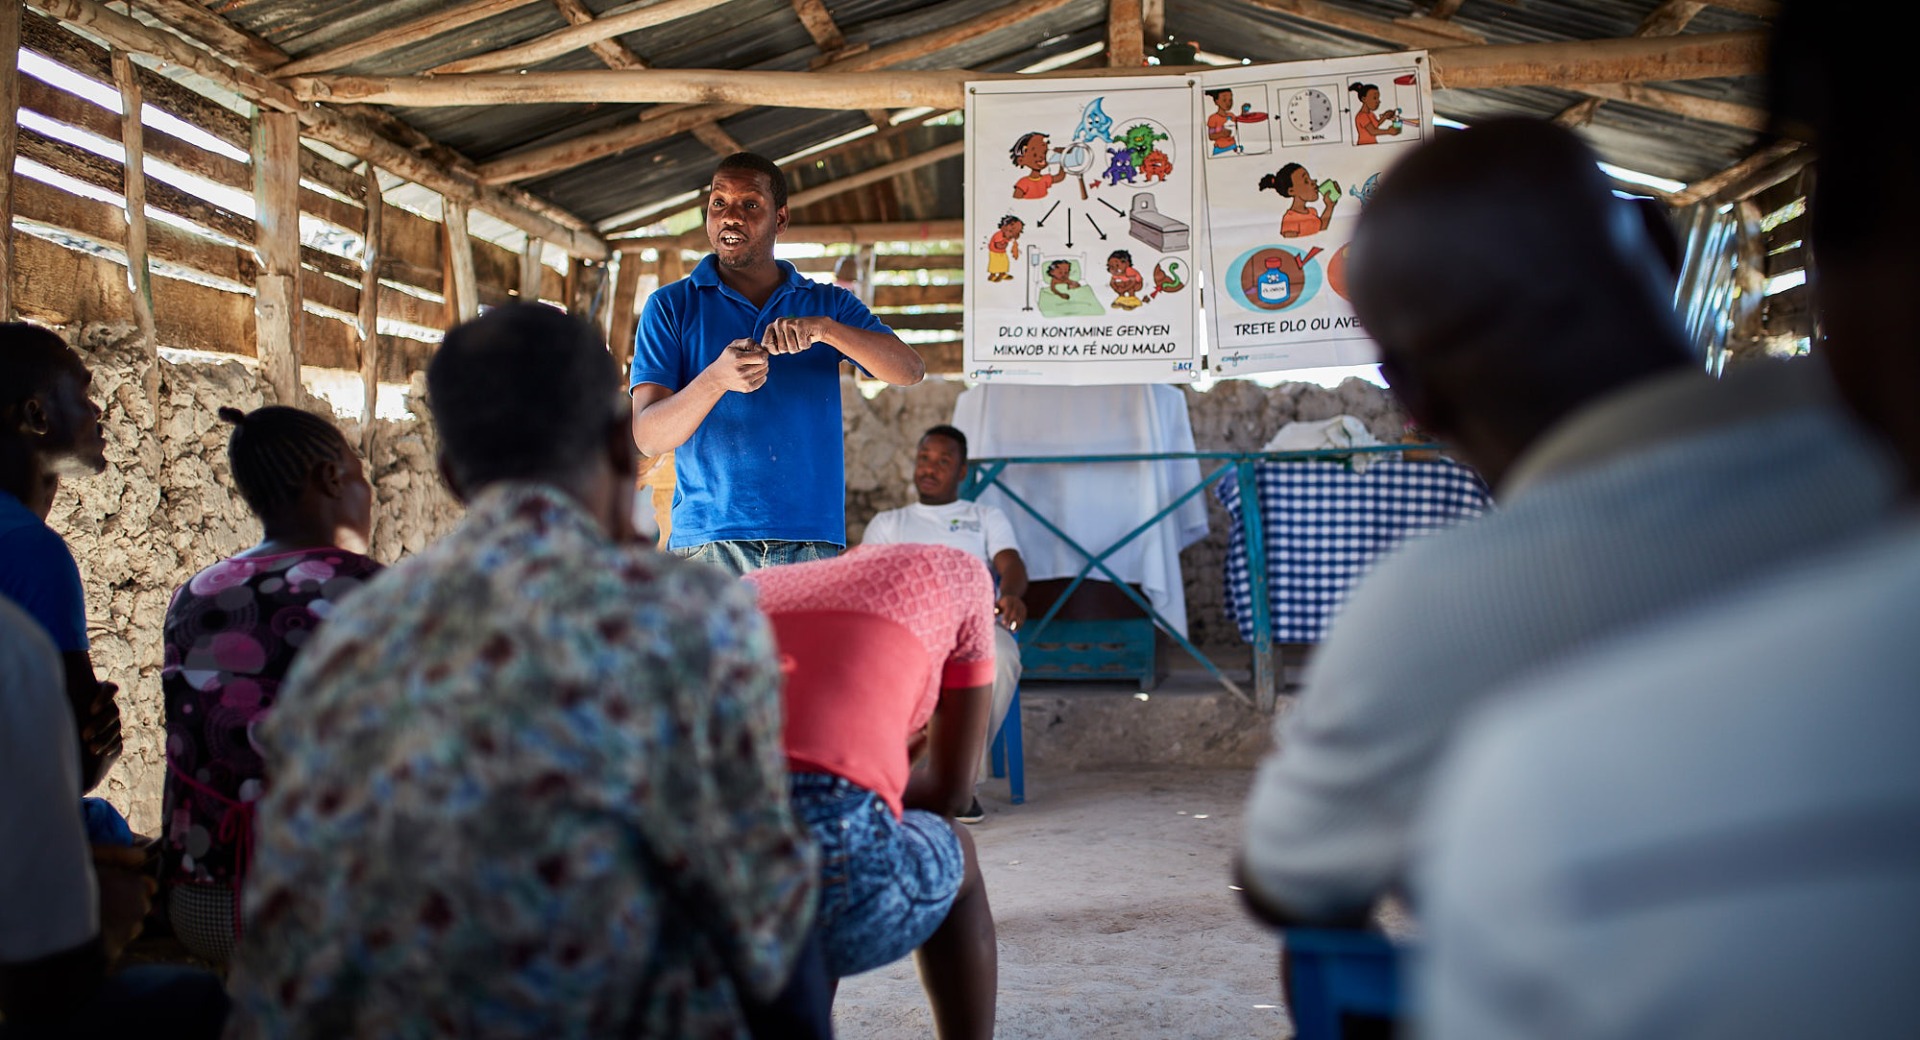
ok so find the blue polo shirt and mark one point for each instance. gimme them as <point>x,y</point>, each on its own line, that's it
<point>38,573</point>
<point>765,465</point>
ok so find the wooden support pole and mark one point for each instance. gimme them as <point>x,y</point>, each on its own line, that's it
<point>586,292</point>
<point>276,305</point>
<point>1707,187</point>
<point>621,20</point>
<point>402,35</point>
<point>531,276</point>
<point>1126,44</point>
<point>626,308</point>
<point>134,190</point>
<point>9,129</point>
<point>463,299</point>
<point>370,312</point>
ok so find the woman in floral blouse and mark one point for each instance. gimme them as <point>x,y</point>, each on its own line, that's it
<point>231,633</point>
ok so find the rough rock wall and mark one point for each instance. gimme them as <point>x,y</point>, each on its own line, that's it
<point>1232,416</point>
<point>166,507</point>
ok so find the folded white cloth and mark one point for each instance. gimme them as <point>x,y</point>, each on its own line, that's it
<point>1341,431</point>
<point>1094,503</point>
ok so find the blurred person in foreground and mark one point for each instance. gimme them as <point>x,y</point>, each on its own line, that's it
<point>1712,830</point>
<point>1546,351</point>
<point>528,783</point>
<point>68,914</point>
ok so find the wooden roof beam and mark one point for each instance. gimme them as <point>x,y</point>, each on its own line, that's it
<point>127,34</point>
<point>655,125</point>
<point>875,175</point>
<point>616,22</point>
<point>1413,31</point>
<point>1630,60</point>
<point>1708,110</point>
<point>1777,160</point>
<point>403,35</point>
<point>612,53</point>
<point>1666,20</point>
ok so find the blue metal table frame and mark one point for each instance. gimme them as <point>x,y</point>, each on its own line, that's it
<point>986,472</point>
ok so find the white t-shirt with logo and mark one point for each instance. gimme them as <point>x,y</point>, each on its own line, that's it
<point>970,527</point>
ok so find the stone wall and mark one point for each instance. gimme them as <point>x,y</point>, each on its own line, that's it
<point>166,507</point>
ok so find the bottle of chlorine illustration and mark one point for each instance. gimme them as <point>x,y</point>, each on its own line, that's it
<point>1273,284</point>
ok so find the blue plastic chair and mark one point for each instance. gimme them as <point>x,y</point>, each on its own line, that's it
<point>1008,754</point>
<point>1335,972</point>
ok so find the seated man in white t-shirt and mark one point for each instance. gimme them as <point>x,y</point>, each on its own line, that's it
<point>941,518</point>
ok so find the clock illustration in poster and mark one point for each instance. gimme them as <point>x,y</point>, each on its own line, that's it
<point>1308,115</point>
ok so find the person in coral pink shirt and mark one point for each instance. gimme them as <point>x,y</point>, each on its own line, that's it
<point>878,644</point>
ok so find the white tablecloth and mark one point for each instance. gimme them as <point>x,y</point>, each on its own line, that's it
<point>1094,503</point>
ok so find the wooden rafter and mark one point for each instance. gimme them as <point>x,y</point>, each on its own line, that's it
<point>349,130</point>
<point>888,171</point>
<point>1630,60</point>
<point>612,53</point>
<point>719,141</point>
<point>1726,113</point>
<point>1416,31</point>
<point>1708,187</point>
<point>820,25</point>
<point>403,35</point>
<point>621,20</point>
<point>825,234</point>
<point>1666,20</point>
<point>1444,9</point>
<point>654,125</point>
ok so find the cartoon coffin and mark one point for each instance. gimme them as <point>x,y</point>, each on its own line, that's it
<point>1155,228</point>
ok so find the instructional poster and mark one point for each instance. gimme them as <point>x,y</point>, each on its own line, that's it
<point>1292,153</point>
<point>1083,213</point>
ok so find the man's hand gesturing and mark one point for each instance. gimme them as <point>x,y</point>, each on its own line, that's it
<point>793,335</point>
<point>741,368</point>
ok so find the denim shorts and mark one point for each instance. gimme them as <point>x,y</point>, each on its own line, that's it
<point>739,557</point>
<point>885,884</point>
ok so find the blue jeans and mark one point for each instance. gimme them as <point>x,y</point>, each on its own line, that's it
<point>739,557</point>
<point>886,884</point>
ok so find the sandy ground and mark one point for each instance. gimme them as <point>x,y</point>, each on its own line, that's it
<point>1110,893</point>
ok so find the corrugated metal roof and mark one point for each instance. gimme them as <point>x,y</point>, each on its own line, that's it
<point>767,34</point>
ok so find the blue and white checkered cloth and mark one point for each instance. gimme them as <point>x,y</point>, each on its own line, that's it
<point>1325,525</point>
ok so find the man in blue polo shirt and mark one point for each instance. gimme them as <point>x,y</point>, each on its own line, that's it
<point>50,428</point>
<point>736,369</point>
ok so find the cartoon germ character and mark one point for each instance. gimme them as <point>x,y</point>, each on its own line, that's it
<point>1220,125</point>
<point>1059,273</point>
<point>1294,183</point>
<point>1124,279</point>
<point>1030,153</point>
<point>1139,140</point>
<point>1005,243</point>
<point>1370,124</point>
<point>1156,165</point>
<point>1120,166</point>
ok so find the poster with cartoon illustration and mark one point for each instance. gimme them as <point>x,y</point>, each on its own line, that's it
<point>1293,152</point>
<point>1083,197</point>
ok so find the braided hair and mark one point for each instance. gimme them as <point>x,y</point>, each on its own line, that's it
<point>273,449</point>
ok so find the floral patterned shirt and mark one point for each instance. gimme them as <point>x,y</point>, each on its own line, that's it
<point>527,784</point>
<point>231,633</point>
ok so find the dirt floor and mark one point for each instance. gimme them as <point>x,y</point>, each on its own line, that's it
<point>1110,892</point>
